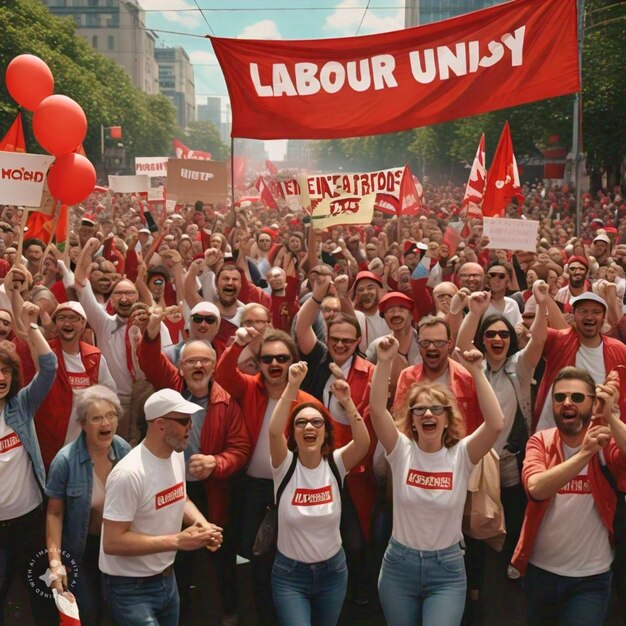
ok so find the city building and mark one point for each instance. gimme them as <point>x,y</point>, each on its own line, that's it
<point>211,111</point>
<point>418,12</point>
<point>116,29</point>
<point>176,82</point>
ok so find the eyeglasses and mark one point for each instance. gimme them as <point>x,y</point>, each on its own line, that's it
<point>203,360</point>
<point>74,319</point>
<point>98,419</point>
<point>438,343</point>
<point>268,359</point>
<point>577,397</point>
<point>128,294</point>
<point>500,275</point>
<point>492,334</point>
<point>249,323</point>
<point>302,422</point>
<point>435,409</point>
<point>342,340</point>
<point>182,421</point>
<point>198,319</point>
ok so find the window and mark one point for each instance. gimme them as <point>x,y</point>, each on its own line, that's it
<point>94,42</point>
<point>111,42</point>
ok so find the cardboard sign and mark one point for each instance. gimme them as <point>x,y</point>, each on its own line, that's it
<point>22,177</point>
<point>189,180</point>
<point>345,209</point>
<point>151,166</point>
<point>129,184</point>
<point>509,234</point>
<point>156,194</point>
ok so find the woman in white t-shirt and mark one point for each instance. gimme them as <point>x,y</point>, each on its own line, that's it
<point>422,579</point>
<point>309,575</point>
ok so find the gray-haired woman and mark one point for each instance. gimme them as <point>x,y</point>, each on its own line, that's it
<point>75,489</point>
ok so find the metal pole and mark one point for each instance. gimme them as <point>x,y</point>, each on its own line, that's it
<point>577,131</point>
<point>232,169</point>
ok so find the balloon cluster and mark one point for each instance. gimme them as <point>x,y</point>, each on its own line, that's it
<point>59,125</point>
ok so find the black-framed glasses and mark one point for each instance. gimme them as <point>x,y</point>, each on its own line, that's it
<point>578,397</point>
<point>500,275</point>
<point>196,318</point>
<point>182,421</point>
<point>503,334</point>
<point>438,343</point>
<point>435,409</point>
<point>268,359</point>
<point>302,422</point>
<point>191,361</point>
<point>346,341</point>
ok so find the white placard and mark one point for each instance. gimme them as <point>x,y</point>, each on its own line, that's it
<point>151,166</point>
<point>509,234</point>
<point>129,184</point>
<point>22,176</point>
<point>155,194</point>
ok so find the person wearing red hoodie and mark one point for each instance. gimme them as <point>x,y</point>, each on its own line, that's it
<point>218,448</point>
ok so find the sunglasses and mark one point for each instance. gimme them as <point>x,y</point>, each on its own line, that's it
<point>183,421</point>
<point>499,275</point>
<point>198,319</point>
<point>435,409</point>
<point>342,340</point>
<point>316,422</point>
<point>438,343</point>
<point>577,397</point>
<point>268,359</point>
<point>503,334</point>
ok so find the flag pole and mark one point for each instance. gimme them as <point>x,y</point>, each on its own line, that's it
<point>577,126</point>
<point>232,169</point>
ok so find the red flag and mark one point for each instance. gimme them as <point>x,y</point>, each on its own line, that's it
<point>183,152</point>
<point>410,197</point>
<point>475,190</point>
<point>14,141</point>
<point>271,168</point>
<point>503,178</point>
<point>266,193</point>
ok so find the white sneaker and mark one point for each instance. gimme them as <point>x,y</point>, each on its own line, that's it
<point>512,573</point>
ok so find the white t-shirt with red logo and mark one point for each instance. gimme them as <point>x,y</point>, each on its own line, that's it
<point>19,491</point>
<point>572,539</point>
<point>150,493</point>
<point>309,512</point>
<point>429,492</point>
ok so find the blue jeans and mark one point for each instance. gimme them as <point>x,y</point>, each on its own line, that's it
<point>422,586</point>
<point>553,599</point>
<point>151,601</point>
<point>309,593</point>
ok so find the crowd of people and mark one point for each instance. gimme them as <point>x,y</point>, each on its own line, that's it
<point>165,379</point>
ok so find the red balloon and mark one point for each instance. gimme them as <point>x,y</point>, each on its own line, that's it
<point>71,178</point>
<point>59,124</point>
<point>29,80</point>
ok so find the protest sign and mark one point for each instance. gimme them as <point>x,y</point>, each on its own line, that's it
<point>501,56</point>
<point>156,194</point>
<point>189,180</point>
<point>129,184</point>
<point>151,166</point>
<point>345,209</point>
<point>509,234</point>
<point>22,177</point>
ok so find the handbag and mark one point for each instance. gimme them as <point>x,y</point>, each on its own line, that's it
<point>267,534</point>
<point>483,516</point>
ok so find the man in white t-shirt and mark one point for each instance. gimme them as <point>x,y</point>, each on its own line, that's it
<point>565,546</point>
<point>145,507</point>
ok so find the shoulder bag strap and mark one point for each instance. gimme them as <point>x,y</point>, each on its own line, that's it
<point>287,478</point>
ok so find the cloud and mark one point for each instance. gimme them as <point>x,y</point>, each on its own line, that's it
<point>174,11</point>
<point>265,29</point>
<point>202,57</point>
<point>345,22</point>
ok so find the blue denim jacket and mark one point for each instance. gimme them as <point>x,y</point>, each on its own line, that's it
<point>71,479</point>
<point>20,410</point>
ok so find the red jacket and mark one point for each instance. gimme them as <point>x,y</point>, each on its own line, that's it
<point>53,415</point>
<point>284,308</point>
<point>560,350</point>
<point>224,434</point>
<point>461,384</point>
<point>249,391</point>
<point>545,450</point>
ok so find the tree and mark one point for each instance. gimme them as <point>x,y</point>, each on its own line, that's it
<point>204,136</point>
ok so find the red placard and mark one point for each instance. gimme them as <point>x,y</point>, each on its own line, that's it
<point>502,56</point>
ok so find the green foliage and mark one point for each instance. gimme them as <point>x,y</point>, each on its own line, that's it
<point>204,136</point>
<point>98,84</point>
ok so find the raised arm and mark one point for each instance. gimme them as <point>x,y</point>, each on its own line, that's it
<point>278,421</point>
<point>191,293</point>
<point>483,438</point>
<point>478,304</point>
<point>539,329</point>
<point>305,336</point>
<point>384,426</point>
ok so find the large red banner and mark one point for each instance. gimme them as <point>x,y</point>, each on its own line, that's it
<point>503,56</point>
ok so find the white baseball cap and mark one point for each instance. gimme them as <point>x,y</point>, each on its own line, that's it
<point>602,237</point>
<point>76,307</point>
<point>588,295</point>
<point>167,401</point>
<point>206,308</point>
